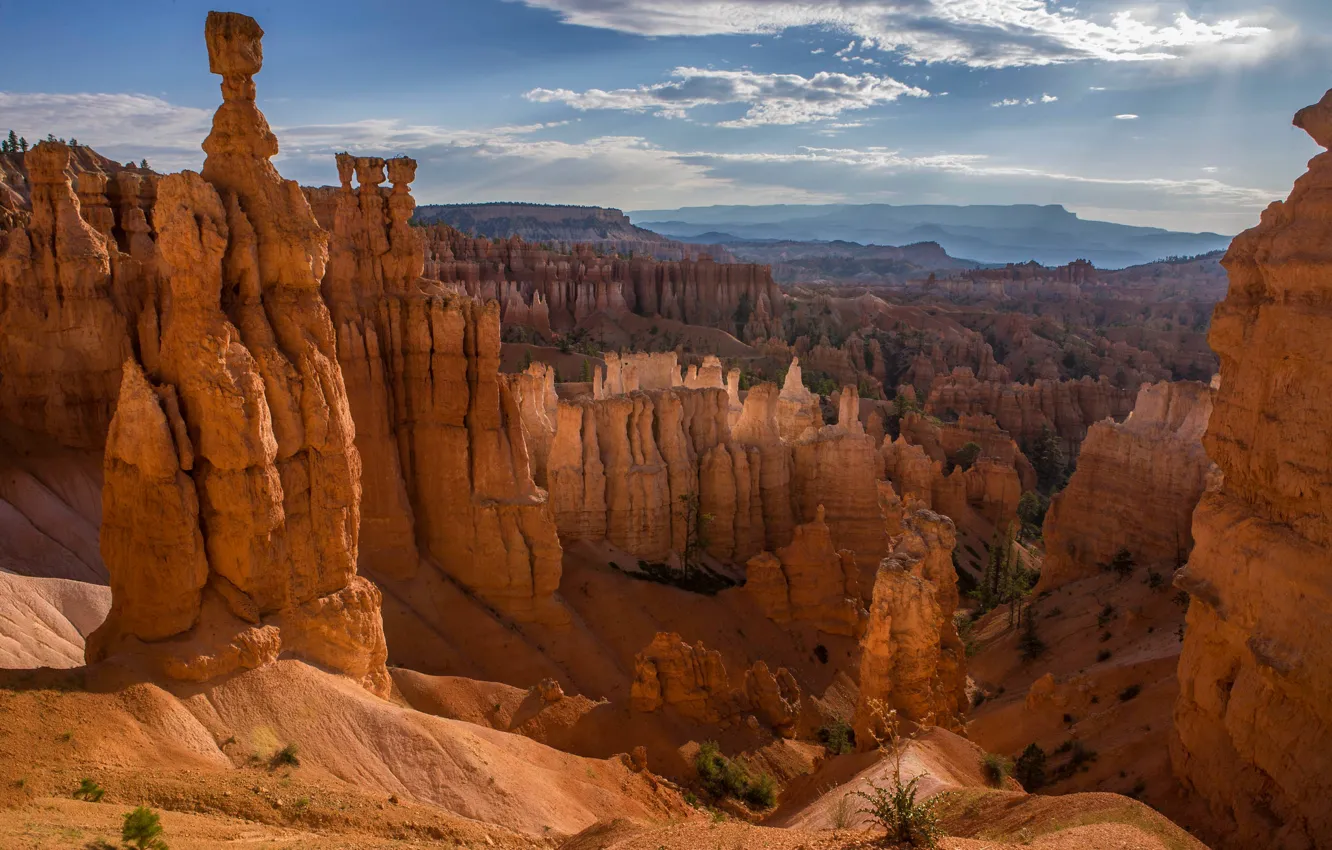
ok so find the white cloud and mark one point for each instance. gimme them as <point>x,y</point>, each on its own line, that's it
<point>1127,116</point>
<point>1210,169</point>
<point>772,98</point>
<point>980,33</point>
<point>1096,88</point>
<point>1029,101</point>
<point>818,51</point>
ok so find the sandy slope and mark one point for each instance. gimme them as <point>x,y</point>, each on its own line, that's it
<point>43,621</point>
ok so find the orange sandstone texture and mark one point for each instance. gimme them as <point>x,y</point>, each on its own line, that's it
<point>1253,722</point>
<point>232,485</point>
<point>912,660</point>
<point>1135,487</point>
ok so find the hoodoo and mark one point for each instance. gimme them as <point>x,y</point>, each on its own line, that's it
<point>1253,723</point>
<point>232,484</point>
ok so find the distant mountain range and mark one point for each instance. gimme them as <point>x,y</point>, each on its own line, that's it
<point>1050,235</point>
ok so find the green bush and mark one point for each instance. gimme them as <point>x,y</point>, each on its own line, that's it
<point>723,777</point>
<point>1123,563</point>
<point>142,830</point>
<point>907,820</point>
<point>967,455</point>
<point>89,791</point>
<point>287,756</point>
<point>995,768</point>
<point>838,737</point>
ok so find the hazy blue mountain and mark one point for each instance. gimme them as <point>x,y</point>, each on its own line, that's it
<point>992,234</point>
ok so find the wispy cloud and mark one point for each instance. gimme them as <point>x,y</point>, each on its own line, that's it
<point>1028,101</point>
<point>1127,116</point>
<point>772,98</point>
<point>980,33</point>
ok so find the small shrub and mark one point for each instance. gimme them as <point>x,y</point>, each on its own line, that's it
<point>1122,563</point>
<point>89,791</point>
<point>1107,614</point>
<point>1029,770</point>
<point>1054,612</point>
<point>838,737</point>
<point>995,768</point>
<point>1129,693</point>
<point>1105,636</point>
<point>1154,579</point>
<point>287,756</point>
<point>1181,598</point>
<point>723,777</point>
<point>821,653</point>
<point>691,798</point>
<point>142,830</point>
<point>762,792</point>
<point>1030,643</point>
<point>1103,655</point>
<point>908,821</point>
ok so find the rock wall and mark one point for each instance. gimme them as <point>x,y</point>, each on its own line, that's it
<point>809,581</point>
<point>448,467</point>
<point>544,289</point>
<point>1135,487</point>
<point>1068,408</point>
<point>912,660</point>
<point>231,500</point>
<point>1253,721</point>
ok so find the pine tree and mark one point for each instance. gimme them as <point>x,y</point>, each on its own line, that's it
<point>143,164</point>
<point>1047,458</point>
<point>23,144</point>
<point>12,142</point>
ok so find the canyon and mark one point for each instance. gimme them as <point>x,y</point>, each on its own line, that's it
<point>324,521</point>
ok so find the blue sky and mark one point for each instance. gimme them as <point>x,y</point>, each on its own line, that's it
<point>1173,114</point>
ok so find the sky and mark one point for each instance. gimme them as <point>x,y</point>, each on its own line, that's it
<point>1173,114</point>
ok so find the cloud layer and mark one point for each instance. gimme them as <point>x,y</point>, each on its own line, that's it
<point>979,33</point>
<point>772,98</point>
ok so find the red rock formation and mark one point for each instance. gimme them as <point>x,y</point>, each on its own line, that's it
<point>1135,487</point>
<point>1253,721</point>
<point>232,487</point>
<point>65,333</point>
<point>1068,408</point>
<point>692,681</point>
<point>911,657</point>
<point>809,581</point>
<point>564,289</point>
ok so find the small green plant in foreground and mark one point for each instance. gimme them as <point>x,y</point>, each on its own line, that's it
<point>723,777</point>
<point>142,830</point>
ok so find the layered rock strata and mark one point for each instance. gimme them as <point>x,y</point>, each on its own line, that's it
<point>1253,720</point>
<point>1135,487</point>
<point>231,503</point>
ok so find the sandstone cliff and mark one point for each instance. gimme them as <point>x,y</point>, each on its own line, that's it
<point>1068,408</point>
<point>232,485</point>
<point>1253,722</point>
<point>1135,487</point>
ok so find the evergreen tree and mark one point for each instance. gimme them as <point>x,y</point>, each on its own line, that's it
<point>143,164</point>
<point>1047,457</point>
<point>1030,768</point>
<point>23,144</point>
<point>12,142</point>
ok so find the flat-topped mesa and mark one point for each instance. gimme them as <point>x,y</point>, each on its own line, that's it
<point>238,432</point>
<point>1135,488</point>
<point>1253,720</point>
